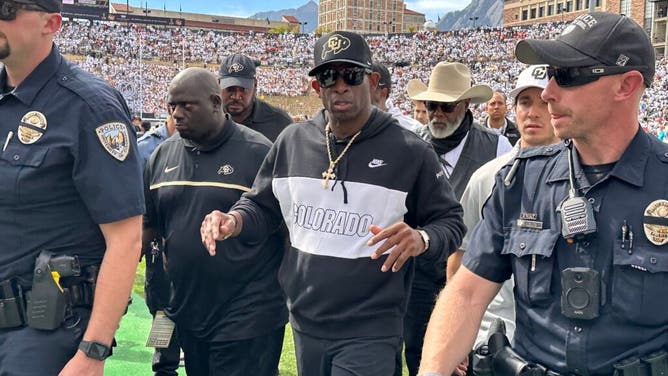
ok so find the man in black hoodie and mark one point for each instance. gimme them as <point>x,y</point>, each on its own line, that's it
<point>360,197</point>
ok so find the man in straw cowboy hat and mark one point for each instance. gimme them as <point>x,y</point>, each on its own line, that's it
<point>463,146</point>
<point>462,143</point>
<point>361,197</point>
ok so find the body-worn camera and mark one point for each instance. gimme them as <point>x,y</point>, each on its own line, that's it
<point>581,293</point>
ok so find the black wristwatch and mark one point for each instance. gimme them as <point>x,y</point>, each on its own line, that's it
<point>95,350</point>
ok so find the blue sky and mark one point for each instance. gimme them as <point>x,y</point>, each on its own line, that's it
<point>245,8</point>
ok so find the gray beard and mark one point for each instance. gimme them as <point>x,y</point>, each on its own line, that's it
<point>450,127</point>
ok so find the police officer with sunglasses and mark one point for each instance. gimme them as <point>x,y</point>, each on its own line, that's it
<point>71,200</point>
<point>581,226</point>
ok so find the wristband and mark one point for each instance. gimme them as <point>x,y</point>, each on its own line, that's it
<point>425,240</point>
<point>236,224</point>
<point>234,219</point>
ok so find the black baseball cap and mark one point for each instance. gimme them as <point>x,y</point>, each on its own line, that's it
<point>237,70</point>
<point>597,38</point>
<point>53,6</point>
<point>385,76</point>
<point>341,46</point>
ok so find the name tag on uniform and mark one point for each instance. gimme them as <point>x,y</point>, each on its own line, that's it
<point>529,220</point>
<point>161,331</point>
<point>525,223</point>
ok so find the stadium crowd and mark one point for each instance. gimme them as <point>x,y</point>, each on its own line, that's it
<point>139,60</point>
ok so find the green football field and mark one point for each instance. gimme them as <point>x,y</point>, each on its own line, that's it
<point>132,357</point>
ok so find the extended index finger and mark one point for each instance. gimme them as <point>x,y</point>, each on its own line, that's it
<point>381,233</point>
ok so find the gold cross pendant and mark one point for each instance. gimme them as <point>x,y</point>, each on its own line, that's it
<point>326,175</point>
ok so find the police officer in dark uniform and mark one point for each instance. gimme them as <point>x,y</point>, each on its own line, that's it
<point>154,137</point>
<point>582,227</point>
<point>229,311</point>
<point>239,91</point>
<point>71,202</point>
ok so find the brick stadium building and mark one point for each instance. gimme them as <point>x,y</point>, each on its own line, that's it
<point>368,16</point>
<point>650,14</point>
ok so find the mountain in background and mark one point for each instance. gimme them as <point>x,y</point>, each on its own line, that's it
<point>489,13</point>
<point>306,13</point>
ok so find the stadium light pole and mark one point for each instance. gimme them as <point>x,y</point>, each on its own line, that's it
<point>140,97</point>
<point>183,39</point>
<point>474,19</point>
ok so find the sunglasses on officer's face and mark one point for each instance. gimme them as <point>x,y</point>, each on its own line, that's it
<point>352,76</point>
<point>444,106</point>
<point>8,9</point>
<point>570,77</point>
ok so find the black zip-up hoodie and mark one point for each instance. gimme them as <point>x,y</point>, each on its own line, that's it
<point>334,289</point>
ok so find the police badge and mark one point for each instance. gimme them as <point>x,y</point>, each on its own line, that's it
<point>114,138</point>
<point>655,222</point>
<point>32,127</point>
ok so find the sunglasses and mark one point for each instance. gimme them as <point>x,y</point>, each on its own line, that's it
<point>444,106</point>
<point>8,9</point>
<point>570,77</point>
<point>352,76</point>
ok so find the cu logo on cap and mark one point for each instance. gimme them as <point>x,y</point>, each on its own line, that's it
<point>235,68</point>
<point>335,44</point>
<point>539,73</point>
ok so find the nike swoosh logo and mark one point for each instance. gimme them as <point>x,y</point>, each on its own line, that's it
<point>170,169</point>
<point>374,165</point>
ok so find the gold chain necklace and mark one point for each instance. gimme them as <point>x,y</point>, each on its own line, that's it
<point>329,173</point>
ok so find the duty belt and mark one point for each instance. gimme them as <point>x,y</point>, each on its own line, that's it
<point>497,358</point>
<point>13,304</point>
<point>654,364</point>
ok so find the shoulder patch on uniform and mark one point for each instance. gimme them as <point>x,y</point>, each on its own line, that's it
<point>114,137</point>
<point>32,127</point>
<point>655,222</point>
